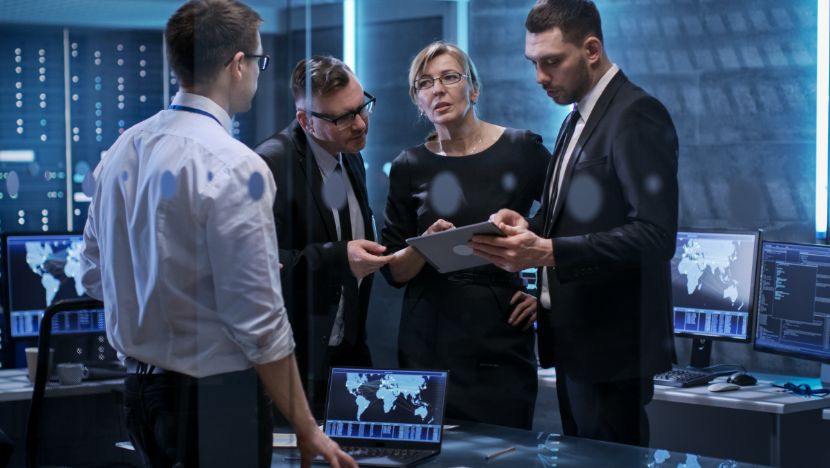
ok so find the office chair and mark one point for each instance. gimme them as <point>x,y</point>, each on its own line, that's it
<point>42,375</point>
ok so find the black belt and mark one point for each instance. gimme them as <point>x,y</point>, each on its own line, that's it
<point>134,366</point>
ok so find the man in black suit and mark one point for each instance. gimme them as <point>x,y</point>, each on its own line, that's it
<point>324,224</point>
<point>605,233</point>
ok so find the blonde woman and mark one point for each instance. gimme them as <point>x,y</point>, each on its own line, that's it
<point>478,323</point>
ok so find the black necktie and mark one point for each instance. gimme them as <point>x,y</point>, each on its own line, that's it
<point>343,211</point>
<point>561,148</point>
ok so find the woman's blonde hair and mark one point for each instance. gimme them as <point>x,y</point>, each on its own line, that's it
<point>420,62</point>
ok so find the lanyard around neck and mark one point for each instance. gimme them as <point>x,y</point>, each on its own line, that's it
<point>177,107</point>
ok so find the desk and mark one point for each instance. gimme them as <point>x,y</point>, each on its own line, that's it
<point>466,446</point>
<point>772,402</point>
<point>15,386</point>
<point>80,425</point>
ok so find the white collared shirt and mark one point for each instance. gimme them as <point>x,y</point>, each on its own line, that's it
<point>181,247</point>
<point>327,164</point>
<point>585,106</point>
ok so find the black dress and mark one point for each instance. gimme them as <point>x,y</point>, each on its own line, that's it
<point>458,321</point>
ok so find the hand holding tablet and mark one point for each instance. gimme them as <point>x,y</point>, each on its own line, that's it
<point>447,251</point>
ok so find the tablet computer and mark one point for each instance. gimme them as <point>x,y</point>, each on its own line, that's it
<point>447,251</point>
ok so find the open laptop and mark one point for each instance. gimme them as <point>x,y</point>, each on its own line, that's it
<point>386,417</point>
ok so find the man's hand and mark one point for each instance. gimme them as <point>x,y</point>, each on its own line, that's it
<point>519,249</point>
<point>365,257</point>
<point>508,217</point>
<point>438,226</point>
<point>524,312</point>
<point>314,443</point>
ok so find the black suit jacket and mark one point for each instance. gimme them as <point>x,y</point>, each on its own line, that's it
<point>613,228</point>
<point>315,265</point>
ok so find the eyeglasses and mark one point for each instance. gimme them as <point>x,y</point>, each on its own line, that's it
<point>426,82</point>
<point>261,62</point>
<point>346,119</point>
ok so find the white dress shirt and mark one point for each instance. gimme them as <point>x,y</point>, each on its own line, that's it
<point>327,164</point>
<point>181,247</point>
<point>585,106</point>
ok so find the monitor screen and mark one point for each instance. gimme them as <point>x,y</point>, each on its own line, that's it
<point>713,284</point>
<point>794,301</point>
<point>39,270</point>
<point>386,404</point>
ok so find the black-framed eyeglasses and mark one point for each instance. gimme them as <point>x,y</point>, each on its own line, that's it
<point>262,60</point>
<point>426,82</point>
<point>346,119</point>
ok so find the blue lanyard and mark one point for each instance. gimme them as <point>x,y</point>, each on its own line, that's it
<point>177,107</point>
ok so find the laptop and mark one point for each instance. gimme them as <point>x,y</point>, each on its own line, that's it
<point>386,417</point>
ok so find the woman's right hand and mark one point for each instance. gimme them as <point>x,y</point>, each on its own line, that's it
<point>438,226</point>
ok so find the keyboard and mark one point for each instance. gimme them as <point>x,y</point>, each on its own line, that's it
<point>678,377</point>
<point>398,454</point>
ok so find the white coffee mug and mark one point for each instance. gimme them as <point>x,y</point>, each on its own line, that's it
<point>31,362</point>
<point>72,373</point>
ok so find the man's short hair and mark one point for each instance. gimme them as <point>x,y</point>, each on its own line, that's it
<point>203,35</point>
<point>327,74</point>
<point>577,19</point>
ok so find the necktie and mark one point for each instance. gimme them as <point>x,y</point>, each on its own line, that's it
<point>561,148</point>
<point>343,211</point>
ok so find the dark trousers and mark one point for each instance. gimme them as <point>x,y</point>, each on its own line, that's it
<point>177,420</point>
<point>344,355</point>
<point>609,411</point>
<point>6,449</point>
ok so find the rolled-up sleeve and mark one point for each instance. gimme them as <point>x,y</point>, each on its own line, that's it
<point>242,247</point>
<point>91,258</point>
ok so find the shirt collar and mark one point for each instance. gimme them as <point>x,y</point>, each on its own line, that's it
<point>203,103</point>
<point>587,103</point>
<point>326,161</point>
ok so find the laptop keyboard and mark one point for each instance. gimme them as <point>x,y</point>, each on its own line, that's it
<point>388,452</point>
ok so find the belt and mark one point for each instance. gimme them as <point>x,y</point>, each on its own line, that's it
<point>134,366</point>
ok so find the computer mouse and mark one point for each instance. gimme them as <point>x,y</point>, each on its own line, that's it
<point>723,387</point>
<point>743,379</point>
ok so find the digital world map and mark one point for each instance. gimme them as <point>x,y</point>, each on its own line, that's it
<point>404,397</point>
<point>716,256</point>
<point>713,273</point>
<point>55,263</point>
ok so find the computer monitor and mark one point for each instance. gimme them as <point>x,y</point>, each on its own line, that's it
<point>39,269</point>
<point>794,302</point>
<point>714,277</point>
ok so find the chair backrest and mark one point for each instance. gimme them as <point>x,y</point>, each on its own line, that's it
<point>42,373</point>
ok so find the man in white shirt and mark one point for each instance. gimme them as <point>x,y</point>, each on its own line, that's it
<point>180,245</point>
<point>324,222</point>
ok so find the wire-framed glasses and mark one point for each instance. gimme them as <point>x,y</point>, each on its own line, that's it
<point>449,78</point>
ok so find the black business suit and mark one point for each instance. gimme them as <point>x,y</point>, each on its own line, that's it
<point>610,316</point>
<point>315,268</point>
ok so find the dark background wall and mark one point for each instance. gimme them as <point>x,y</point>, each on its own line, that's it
<point>738,78</point>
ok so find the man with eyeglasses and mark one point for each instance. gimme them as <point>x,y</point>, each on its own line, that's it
<point>179,243</point>
<point>324,223</point>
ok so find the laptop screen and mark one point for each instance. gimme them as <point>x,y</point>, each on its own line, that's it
<point>386,405</point>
